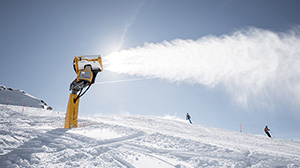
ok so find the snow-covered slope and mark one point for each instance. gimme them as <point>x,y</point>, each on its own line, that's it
<point>19,97</point>
<point>36,138</point>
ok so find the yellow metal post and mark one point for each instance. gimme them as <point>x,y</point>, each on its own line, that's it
<point>72,112</point>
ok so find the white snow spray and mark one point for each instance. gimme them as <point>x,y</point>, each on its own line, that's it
<point>254,66</point>
<point>121,81</point>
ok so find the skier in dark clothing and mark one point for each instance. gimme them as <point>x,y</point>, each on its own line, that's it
<point>267,131</point>
<point>188,117</point>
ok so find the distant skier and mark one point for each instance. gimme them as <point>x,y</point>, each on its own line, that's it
<point>188,117</point>
<point>267,131</point>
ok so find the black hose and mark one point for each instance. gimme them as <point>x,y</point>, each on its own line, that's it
<point>79,94</point>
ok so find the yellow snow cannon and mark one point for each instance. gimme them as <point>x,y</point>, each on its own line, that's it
<point>86,68</point>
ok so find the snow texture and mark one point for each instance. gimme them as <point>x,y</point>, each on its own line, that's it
<point>36,138</point>
<point>18,97</point>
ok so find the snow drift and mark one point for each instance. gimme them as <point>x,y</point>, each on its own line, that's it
<point>37,139</point>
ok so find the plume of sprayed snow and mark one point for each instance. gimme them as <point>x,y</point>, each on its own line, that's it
<point>172,117</point>
<point>254,65</point>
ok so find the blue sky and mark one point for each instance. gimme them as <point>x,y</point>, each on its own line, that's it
<point>39,40</point>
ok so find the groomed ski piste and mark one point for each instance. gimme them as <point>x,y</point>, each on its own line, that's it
<point>36,138</point>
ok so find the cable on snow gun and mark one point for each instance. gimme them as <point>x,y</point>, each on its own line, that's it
<point>86,68</point>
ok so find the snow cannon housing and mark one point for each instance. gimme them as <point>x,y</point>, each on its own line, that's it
<point>87,67</point>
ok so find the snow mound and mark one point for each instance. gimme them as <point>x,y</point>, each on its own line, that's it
<point>36,138</point>
<point>20,97</point>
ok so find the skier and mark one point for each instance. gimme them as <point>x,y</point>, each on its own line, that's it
<point>267,131</point>
<point>188,117</point>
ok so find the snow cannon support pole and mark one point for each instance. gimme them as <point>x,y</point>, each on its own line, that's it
<point>72,112</point>
<point>86,68</point>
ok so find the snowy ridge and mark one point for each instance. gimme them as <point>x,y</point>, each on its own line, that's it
<point>36,138</point>
<point>20,97</point>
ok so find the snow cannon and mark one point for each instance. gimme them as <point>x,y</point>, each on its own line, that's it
<point>86,69</point>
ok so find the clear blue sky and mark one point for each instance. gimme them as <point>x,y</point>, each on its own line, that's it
<point>39,40</point>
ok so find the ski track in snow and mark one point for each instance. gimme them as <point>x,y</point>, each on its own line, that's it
<point>37,139</point>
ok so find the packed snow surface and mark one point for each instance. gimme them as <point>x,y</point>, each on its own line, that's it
<point>36,138</point>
